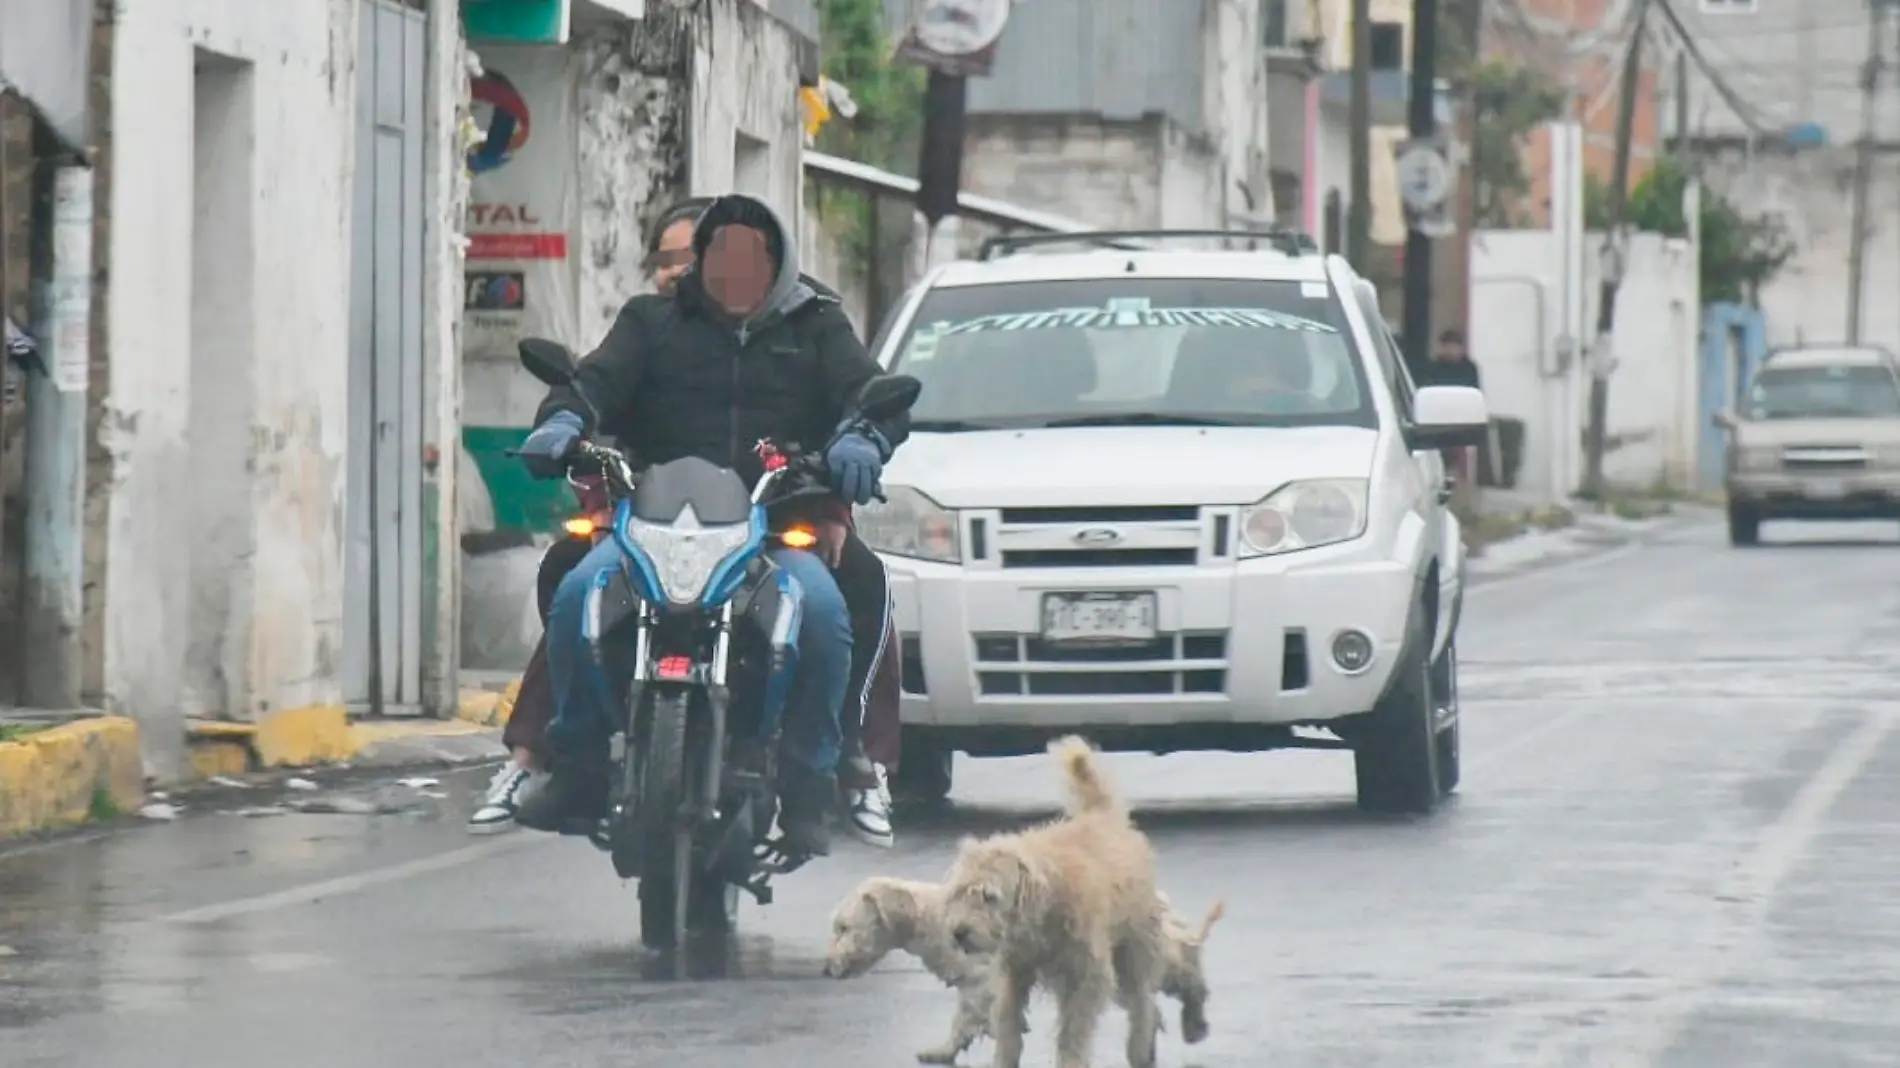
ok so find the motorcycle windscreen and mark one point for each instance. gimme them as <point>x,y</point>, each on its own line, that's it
<point>717,495</point>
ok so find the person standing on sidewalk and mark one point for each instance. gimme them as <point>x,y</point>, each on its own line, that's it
<point>1451,366</point>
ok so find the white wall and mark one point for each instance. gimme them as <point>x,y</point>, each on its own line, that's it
<point>303,102</point>
<point>1812,192</point>
<point>664,106</point>
<point>1653,420</point>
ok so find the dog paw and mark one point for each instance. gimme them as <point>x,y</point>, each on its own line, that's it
<point>937,1056</point>
<point>1193,1028</point>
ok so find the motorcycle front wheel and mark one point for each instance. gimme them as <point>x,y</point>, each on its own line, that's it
<point>666,868</point>
<point>675,897</point>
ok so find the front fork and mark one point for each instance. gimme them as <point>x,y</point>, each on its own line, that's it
<point>701,805</point>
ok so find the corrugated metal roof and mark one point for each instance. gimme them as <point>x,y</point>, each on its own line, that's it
<point>1119,59</point>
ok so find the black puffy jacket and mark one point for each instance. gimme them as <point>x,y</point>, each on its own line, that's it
<point>678,377</point>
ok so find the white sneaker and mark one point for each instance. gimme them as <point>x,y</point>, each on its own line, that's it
<point>871,813</point>
<point>497,812</point>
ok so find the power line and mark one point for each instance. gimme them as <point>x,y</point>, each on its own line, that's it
<point>1750,115</point>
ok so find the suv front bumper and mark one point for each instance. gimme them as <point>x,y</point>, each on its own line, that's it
<point>1245,643</point>
<point>1846,495</point>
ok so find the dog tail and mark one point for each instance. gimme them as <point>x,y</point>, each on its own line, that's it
<point>1088,791</point>
<point>1213,917</point>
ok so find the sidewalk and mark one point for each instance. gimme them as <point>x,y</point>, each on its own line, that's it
<point>64,770</point>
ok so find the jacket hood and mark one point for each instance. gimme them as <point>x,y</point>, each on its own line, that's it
<point>789,291</point>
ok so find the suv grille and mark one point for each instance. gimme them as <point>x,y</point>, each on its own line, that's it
<point>1109,536</point>
<point>1010,665</point>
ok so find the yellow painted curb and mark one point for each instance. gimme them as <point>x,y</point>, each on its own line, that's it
<point>301,737</point>
<point>69,774</point>
<point>488,708</point>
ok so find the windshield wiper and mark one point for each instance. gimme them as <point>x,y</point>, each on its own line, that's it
<point>1144,419</point>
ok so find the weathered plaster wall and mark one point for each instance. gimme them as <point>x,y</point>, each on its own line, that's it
<point>446,192</point>
<point>746,135</point>
<point>283,634</point>
<point>1812,193</point>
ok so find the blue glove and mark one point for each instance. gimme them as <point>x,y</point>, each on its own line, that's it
<point>856,462</point>
<point>544,454</point>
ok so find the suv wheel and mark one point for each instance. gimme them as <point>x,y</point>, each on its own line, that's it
<point>1445,699</point>
<point>923,769</point>
<point>1395,762</point>
<point>1744,526</point>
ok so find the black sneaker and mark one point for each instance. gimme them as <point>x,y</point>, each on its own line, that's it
<point>575,789</point>
<point>805,804</point>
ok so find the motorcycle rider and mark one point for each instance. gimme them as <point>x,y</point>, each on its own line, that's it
<point>669,252</point>
<point>860,575</point>
<point>746,350</point>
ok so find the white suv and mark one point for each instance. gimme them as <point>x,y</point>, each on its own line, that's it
<point>1172,500</point>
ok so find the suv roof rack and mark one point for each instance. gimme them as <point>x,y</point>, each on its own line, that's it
<point>1285,241</point>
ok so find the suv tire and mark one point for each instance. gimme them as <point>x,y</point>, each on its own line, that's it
<point>923,773</point>
<point>1396,758</point>
<point>1744,526</point>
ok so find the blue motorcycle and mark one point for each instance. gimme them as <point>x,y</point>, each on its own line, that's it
<point>699,630</point>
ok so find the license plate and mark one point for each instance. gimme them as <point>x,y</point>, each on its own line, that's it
<point>1098,617</point>
<point>1827,489</point>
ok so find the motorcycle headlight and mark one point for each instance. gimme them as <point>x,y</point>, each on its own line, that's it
<point>910,524</point>
<point>684,559</point>
<point>1304,515</point>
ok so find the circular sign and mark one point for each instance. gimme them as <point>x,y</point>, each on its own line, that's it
<point>1424,177</point>
<point>961,27</point>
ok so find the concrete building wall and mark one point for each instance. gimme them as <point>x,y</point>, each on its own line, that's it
<point>245,110</point>
<point>1516,298</point>
<point>1792,61</point>
<point>1111,173</point>
<point>1812,193</point>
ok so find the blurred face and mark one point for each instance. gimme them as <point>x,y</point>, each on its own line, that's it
<point>1451,349</point>
<point>737,269</point>
<point>674,255</point>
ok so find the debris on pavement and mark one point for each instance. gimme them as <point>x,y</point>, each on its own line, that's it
<point>262,811</point>
<point>159,810</point>
<point>300,784</point>
<point>418,783</point>
<point>227,781</point>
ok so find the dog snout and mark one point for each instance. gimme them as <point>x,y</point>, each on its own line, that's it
<point>963,935</point>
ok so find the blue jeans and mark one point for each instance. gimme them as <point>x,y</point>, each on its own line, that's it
<point>586,710</point>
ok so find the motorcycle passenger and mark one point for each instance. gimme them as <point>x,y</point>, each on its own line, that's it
<point>745,351</point>
<point>669,252</point>
<point>860,575</point>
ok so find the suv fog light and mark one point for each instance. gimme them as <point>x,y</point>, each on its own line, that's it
<point>1352,651</point>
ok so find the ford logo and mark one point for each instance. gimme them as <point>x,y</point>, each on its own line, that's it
<point>1098,536</point>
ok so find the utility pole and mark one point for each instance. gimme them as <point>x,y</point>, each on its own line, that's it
<point>1422,120</point>
<point>1359,118</point>
<point>1615,248</point>
<point>1864,164</point>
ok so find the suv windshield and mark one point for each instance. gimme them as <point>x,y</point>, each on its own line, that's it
<point>1136,351</point>
<point>1839,392</point>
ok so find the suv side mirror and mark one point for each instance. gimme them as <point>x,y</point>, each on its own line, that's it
<point>1723,419</point>
<point>1448,417</point>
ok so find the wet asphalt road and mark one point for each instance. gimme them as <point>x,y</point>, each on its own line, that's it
<point>1675,847</point>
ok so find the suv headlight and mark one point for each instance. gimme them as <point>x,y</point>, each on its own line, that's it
<point>910,524</point>
<point>1304,515</point>
<point>1755,457</point>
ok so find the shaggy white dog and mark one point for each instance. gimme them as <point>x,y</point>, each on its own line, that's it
<point>882,915</point>
<point>1070,906</point>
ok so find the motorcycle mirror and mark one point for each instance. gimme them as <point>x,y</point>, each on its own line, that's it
<point>549,361</point>
<point>888,395</point>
